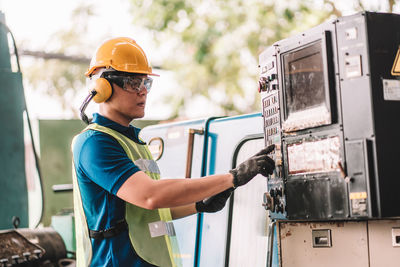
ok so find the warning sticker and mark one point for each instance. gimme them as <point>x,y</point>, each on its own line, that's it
<point>396,64</point>
<point>391,89</point>
<point>358,195</point>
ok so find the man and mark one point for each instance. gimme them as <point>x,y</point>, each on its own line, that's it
<point>122,208</point>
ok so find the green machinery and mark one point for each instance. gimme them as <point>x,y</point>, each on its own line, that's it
<point>20,245</point>
<point>14,210</point>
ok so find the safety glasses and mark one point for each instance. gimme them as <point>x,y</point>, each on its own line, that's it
<point>131,83</point>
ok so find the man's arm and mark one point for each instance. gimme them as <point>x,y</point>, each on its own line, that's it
<point>209,205</point>
<point>183,211</point>
<point>142,191</point>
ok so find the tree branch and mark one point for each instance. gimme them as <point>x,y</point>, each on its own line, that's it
<point>46,55</point>
<point>335,11</point>
<point>391,4</point>
<point>60,56</point>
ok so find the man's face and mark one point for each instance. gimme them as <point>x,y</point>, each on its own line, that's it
<point>128,101</point>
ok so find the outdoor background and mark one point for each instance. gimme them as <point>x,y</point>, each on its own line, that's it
<point>206,51</point>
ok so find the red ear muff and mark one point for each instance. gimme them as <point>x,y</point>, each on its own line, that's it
<point>103,90</point>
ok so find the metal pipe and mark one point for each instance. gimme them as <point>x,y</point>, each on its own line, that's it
<point>271,230</point>
<point>189,158</point>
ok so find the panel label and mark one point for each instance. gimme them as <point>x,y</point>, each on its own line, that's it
<point>391,89</point>
<point>358,195</point>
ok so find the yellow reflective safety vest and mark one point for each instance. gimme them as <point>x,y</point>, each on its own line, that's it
<point>161,250</point>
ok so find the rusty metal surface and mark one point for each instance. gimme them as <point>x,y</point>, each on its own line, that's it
<point>349,244</point>
<point>16,249</point>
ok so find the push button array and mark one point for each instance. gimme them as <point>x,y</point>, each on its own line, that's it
<point>271,121</point>
<point>272,131</point>
<point>271,115</point>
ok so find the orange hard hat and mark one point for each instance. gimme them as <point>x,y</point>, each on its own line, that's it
<point>121,54</point>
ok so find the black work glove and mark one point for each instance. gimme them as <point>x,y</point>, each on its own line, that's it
<point>214,203</point>
<point>259,163</point>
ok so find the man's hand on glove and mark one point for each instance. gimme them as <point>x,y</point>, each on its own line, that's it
<point>214,203</point>
<point>259,163</point>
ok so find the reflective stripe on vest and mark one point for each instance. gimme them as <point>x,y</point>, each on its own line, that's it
<point>162,250</point>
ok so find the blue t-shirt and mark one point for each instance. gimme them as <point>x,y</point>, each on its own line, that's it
<point>102,166</point>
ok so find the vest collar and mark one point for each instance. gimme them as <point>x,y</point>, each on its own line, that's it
<point>131,132</point>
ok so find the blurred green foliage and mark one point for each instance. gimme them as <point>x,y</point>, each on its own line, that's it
<point>214,44</point>
<point>60,79</point>
<point>211,46</point>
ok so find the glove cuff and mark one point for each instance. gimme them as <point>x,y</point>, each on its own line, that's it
<point>200,206</point>
<point>235,180</point>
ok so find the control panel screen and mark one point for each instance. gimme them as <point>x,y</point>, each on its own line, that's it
<point>304,87</point>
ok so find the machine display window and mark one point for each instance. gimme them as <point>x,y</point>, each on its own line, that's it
<point>314,156</point>
<point>306,95</point>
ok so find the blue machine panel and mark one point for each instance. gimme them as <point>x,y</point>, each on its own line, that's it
<point>172,164</point>
<point>238,234</point>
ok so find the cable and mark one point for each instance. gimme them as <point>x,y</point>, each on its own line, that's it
<point>84,105</point>
<point>14,43</point>
<point>36,163</point>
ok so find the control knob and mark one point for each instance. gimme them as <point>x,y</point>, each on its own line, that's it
<point>268,202</point>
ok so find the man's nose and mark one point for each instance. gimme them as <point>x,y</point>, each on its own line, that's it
<point>142,90</point>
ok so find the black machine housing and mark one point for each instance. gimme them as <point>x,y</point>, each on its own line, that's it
<point>332,107</point>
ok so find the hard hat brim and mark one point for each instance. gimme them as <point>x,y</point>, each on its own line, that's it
<point>90,71</point>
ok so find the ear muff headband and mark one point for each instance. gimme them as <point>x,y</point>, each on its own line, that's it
<point>103,89</point>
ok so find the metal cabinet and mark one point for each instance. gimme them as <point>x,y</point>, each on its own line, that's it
<point>384,243</point>
<point>374,243</point>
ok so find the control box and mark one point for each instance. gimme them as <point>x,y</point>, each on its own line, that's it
<point>330,105</point>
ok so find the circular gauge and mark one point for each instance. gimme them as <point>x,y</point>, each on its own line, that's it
<point>156,147</point>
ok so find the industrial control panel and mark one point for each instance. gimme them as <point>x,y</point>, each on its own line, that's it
<point>268,87</point>
<point>330,104</point>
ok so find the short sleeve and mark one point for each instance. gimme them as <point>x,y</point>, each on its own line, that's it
<point>103,160</point>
